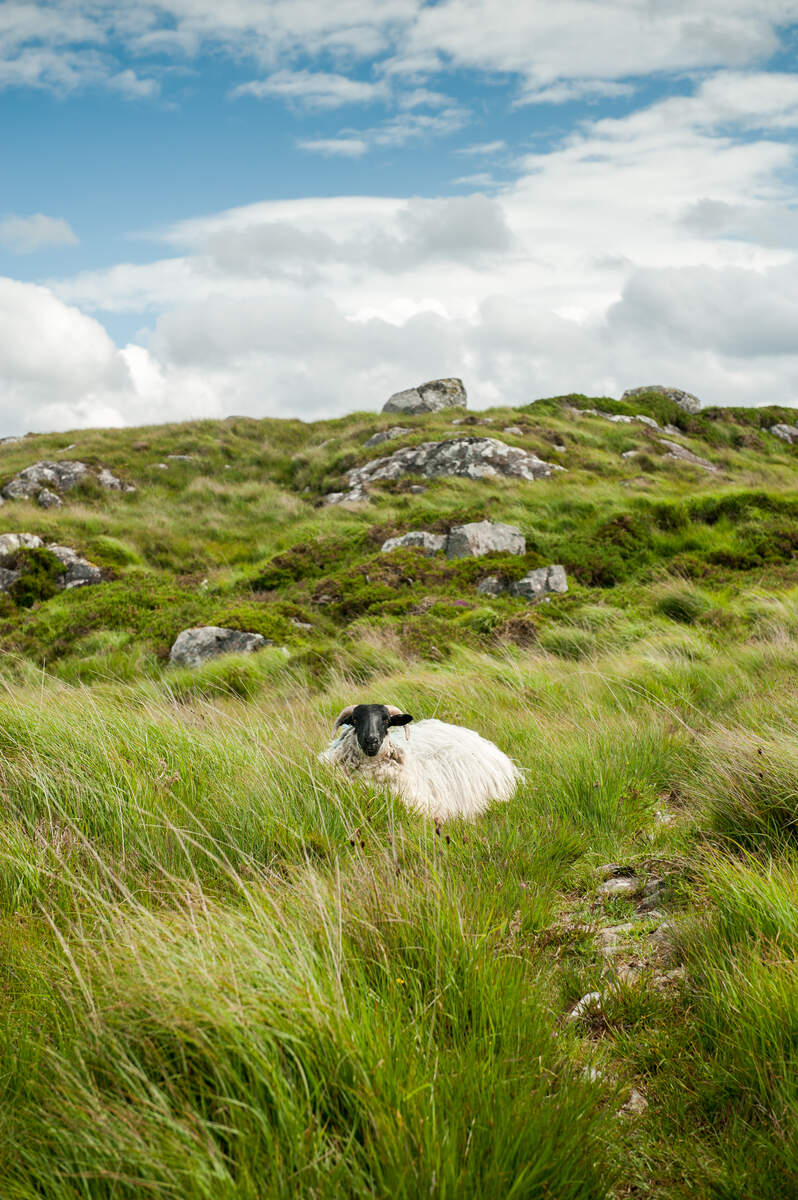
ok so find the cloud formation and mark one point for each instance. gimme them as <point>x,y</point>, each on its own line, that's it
<point>23,235</point>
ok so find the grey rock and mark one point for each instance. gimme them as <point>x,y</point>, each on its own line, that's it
<point>623,885</point>
<point>11,542</point>
<point>472,457</point>
<point>7,578</point>
<point>514,429</point>
<point>356,495</point>
<point>608,938</point>
<point>540,582</point>
<point>428,397</point>
<point>6,441</point>
<point>180,457</point>
<point>48,499</point>
<point>417,489</point>
<point>630,454</point>
<point>685,400</point>
<point>672,431</point>
<point>646,420</point>
<point>484,537</point>
<point>590,1003</point>
<point>788,433</point>
<point>301,624</point>
<point>636,1105</point>
<point>387,435</point>
<point>682,454</point>
<point>492,585</point>
<point>56,477</point>
<point>79,571</point>
<point>59,475</point>
<point>192,647</point>
<point>419,539</point>
<point>107,479</point>
<point>610,870</point>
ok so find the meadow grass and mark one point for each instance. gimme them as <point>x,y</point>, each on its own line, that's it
<point>229,972</point>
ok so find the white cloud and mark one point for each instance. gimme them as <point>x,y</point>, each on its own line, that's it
<point>578,89</point>
<point>314,89</point>
<point>26,234</point>
<point>344,147</point>
<point>483,148</point>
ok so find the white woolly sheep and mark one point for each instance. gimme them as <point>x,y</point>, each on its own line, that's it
<point>439,770</point>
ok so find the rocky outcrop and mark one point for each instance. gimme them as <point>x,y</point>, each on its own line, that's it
<point>78,571</point>
<point>193,647</point>
<point>484,537</point>
<point>463,541</point>
<point>787,433</point>
<point>428,397</point>
<point>685,400</point>
<point>387,435</point>
<point>475,458</point>
<point>682,454</point>
<point>45,481</point>
<point>418,539</point>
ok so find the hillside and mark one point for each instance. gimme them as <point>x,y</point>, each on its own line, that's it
<point>228,972</point>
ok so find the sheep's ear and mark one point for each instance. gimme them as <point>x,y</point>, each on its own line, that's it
<point>400,719</point>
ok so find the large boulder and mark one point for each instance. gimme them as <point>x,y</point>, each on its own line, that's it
<point>418,539</point>
<point>685,400</point>
<point>193,647</point>
<point>428,397</point>
<point>475,458</point>
<point>484,537</point>
<point>53,478</point>
<point>787,433</point>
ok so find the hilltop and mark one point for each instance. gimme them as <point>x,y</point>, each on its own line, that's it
<point>228,972</point>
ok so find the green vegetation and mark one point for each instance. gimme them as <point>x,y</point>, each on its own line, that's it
<point>228,972</point>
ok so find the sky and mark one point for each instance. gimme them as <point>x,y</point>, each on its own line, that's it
<point>294,208</point>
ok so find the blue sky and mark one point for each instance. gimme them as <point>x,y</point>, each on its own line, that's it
<point>295,208</point>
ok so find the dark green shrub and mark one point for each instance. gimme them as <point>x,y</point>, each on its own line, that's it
<point>40,571</point>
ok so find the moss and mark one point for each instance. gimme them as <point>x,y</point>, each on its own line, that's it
<point>40,572</point>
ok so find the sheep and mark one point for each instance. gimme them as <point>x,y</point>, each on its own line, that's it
<point>440,770</point>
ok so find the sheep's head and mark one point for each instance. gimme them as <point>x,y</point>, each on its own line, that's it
<point>371,723</point>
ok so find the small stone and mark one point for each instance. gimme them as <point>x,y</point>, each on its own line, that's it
<point>636,1105</point>
<point>301,624</point>
<point>630,454</point>
<point>48,499</point>
<point>589,1004</point>
<point>647,420</point>
<point>7,578</point>
<point>672,430</point>
<point>492,585</point>
<point>387,435</point>
<point>535,584</point>
<point>621,886</point>
<point>515,429</point>
<point>609,870</point>
<point>417,489</point>
<point>162,466</point>
<point>107,479</point>
<point>180,457</point>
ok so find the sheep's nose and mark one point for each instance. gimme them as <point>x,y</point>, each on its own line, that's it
<point>372,745</point>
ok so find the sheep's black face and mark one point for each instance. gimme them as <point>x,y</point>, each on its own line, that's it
<point>371,723</point>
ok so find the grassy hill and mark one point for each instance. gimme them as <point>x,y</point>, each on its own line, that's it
<point>229,973</point>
